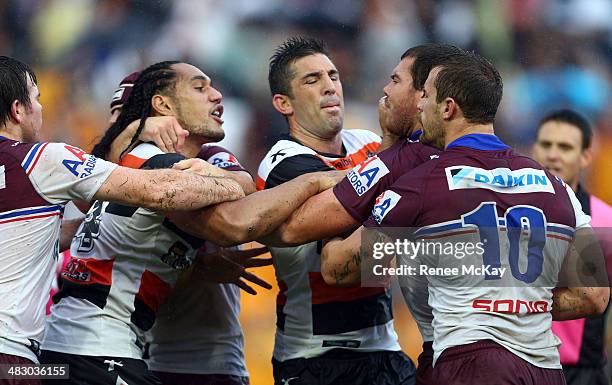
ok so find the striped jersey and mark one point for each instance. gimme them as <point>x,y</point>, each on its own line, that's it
<point>312,317</point>
<point>197,336</point>
<point>124,262</point>
<point>36,181</point>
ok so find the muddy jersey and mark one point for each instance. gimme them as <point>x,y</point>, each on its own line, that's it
<point>36,181</point>
<point>480,192</point>
<point>124,262</point>
<point>313,317</point>
<point>198,336</point>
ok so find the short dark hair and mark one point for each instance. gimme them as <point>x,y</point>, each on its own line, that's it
<point>426,57</point>
<point>474,83</point>
<point>157,78</point>
<point>13,85</point>
<point>575,119</point>
<point>280,73</point>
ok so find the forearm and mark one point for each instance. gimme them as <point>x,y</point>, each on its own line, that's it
<point>121,142</point>
<point>167,190</point>
<point>579,302</point>
<point>68,229</point>
<point>321,216</point>
<point>243,178</point>
<point>252,217</point>
<point>341,260</point>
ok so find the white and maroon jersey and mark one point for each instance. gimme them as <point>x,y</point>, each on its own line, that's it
<point>197,329</point>
<point>515,215</point>
<point>124,262</point>
<point>313,317</point>
<point>36,181</point>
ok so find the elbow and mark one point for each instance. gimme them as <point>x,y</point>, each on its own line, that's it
<point>601,300</point>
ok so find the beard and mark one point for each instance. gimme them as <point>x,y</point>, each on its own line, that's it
<point>433,135</point>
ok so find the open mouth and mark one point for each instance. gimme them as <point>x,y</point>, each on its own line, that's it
<point>217,113</point>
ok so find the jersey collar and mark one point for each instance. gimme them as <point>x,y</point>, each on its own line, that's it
<point>479,142</point>
<point>3,138</point>
<point>415,136</point>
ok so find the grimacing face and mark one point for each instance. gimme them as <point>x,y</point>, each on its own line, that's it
<point>198,103</point>
<point>32,117</point>
<point>317,100</point>
<point>559,149</point>
<point>397,109</point>
<point>430,113</point>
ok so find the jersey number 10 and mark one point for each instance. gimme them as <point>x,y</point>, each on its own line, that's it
<point>517,220</point>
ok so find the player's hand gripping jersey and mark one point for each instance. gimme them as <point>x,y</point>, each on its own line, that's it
<point>480,191</point>
<point>36,181</point>
<point>124,262</point>
<point>313,317</point>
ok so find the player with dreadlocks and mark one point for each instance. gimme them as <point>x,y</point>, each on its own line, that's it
<point>126,259</point>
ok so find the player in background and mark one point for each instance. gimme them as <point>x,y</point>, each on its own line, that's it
<point>324,335</point>
<point>126,259</point>
<point>472,185</point>
<point>31,204</point>
<point>208,331</point>
<point>563,147</point>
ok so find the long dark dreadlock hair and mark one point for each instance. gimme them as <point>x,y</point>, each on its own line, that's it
<point>157,78</point>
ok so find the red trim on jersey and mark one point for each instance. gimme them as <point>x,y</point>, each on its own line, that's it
<point>281,298</point>
<point>131,161</point>
<point>30,217</point>
<point>558,237</point>
<point>324,293</point>
<point>37,158</point>
<point>353,159</point>
<point>153,291</point>
<point>260,184</point>
<point>87,271</point>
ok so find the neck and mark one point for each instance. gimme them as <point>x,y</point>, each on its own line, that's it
<point>574,184</point>
<point>12,132</point>
<point>465,128</point>
<point>329,145</point>
<point>192,146</point>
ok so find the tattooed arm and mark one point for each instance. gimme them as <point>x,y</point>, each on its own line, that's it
<point>341,260</point>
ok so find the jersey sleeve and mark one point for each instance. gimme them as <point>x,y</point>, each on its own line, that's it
<point>293,167</point>
<point>220,157</point>
<point>399,205</point>
<point>362,185</point>
<point>60,172</point>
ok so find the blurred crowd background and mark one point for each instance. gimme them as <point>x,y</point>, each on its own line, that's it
<point>551,53</point>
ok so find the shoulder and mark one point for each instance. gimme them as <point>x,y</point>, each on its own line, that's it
<point>283,150</point>
<point>361,135</point>
<point>139,155</point>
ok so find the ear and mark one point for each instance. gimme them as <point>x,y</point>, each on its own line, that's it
<point>17,111</point>
<point>586,157</point>
<point>162,105</point>
<point>282,104</point>
<point>449,108</point>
